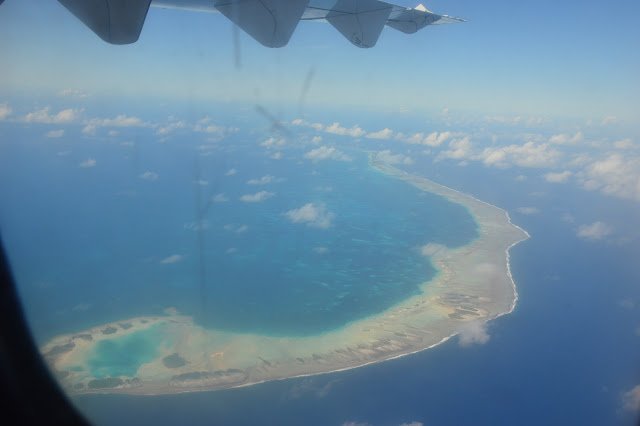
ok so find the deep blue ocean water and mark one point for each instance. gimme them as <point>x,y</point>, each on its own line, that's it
<point>563,357</point>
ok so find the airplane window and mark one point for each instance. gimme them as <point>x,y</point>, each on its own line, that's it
<point>326,212</point>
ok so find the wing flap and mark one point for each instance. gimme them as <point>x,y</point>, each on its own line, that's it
<point>360,21</point>
<point>114,21</point>
<point>270,22</point>
<point>411,20</point>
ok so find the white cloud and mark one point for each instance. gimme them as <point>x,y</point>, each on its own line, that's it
<point>231,172</point>
<point>170,127</point>
<point>514,120</point>
<point>326,153</point>
<point>624,144</point>
<point>89,129</point>
<point>354,423</point>
<point>315,215</point>
<point>566,139</point>
<point>89,162</point>
<point>204,125</point>
<point>610,119</point>
<point>433,139</point>
<point>211,129</point>
<point>65,116</point>
<point>55,133</point>
<point>458,149</point>
<point>615,175</point>
<point>5,111</point>
<point>383,134</point>
<point>298,122</point>
<point>149,176</point>
<point>73,93</point>
<point>257,197</point>
<point>204,121</point>
<point>337,129</point>
<point>559,177</point>
<point>414,423</point>
<point>121,120</point>
<point>274,142</point>
<point>44,116</point>
<point>320,250</point>
<point>436,139</point>
<point>264,180</point>
<point>276,156</point>
<point>387,156</point>
<point>416,138</point>
<point>594,231</point>
<point>219,198</point>
<point>316,139</point>
<point>631,399</point>
<point>528,210</point>
<point>501,119</point>
<point>474,332</point>
<point>580,160</point>
<point>528,155</point>
<point>242,229</point>
<point>174,258</point>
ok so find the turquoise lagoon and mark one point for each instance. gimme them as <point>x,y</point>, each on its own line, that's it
<point>123,356</point>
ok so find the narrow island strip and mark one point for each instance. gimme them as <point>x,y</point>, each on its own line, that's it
<point>473,284</point>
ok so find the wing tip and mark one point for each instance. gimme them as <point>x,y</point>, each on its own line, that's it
<point>453,19</point>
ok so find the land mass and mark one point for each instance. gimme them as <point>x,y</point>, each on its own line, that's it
<point>473,284</point>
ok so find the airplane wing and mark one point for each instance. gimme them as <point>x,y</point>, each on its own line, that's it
<point>270,22</point>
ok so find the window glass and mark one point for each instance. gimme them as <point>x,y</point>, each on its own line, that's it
<point>293,221</point>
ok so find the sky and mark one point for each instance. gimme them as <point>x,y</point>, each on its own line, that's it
<point>538,87</point>
<point>567,59</point>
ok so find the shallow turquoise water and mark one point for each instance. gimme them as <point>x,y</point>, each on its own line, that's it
<point>124,355</point>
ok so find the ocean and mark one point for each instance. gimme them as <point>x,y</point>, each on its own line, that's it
<point>99,236</point>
